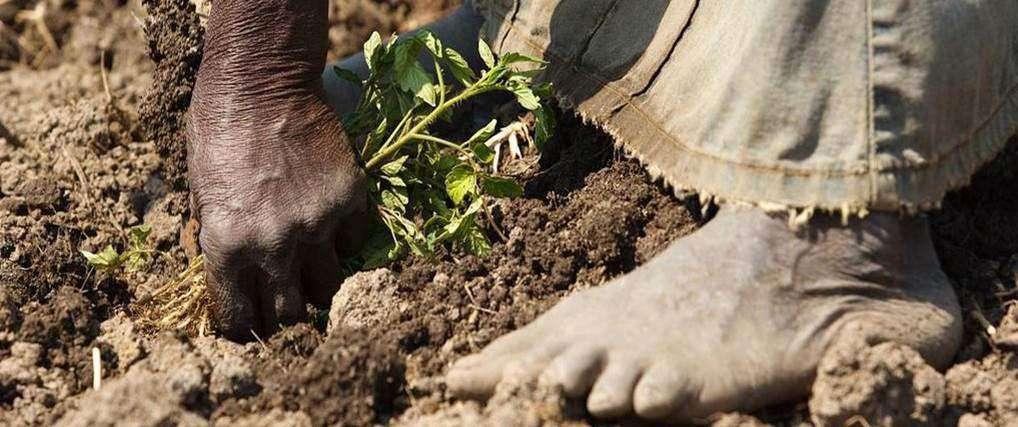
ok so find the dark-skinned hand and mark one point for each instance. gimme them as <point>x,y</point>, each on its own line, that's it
<point>274,180</point>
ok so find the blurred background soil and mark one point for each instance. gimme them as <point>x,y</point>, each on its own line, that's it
<point>92,96</point>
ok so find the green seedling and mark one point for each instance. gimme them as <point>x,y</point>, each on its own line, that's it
<point>181,303</point>
<point>431,190</point>
<point>134,258</point>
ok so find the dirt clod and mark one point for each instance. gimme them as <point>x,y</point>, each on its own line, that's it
<point>886,385</point>
<point>365,300</point>
<point>120,334</point>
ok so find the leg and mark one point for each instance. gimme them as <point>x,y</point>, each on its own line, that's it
<point>735,316</point>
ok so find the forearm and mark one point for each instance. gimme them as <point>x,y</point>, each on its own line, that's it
<point>460,31</point>
<point>267,43</point>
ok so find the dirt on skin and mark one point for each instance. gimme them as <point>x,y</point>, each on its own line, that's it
<point>90,145</point>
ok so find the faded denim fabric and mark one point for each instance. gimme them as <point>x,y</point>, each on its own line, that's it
<point>842,105</point>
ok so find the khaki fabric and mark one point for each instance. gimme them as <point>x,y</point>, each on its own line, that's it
<point>843,105</point>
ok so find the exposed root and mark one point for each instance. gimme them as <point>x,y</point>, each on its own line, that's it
<point>182,304</point>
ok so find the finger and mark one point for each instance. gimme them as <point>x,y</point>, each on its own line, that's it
<point>322,273</point>
<point>352,232</point>
<point>279,293</point>
<point>233,309</point>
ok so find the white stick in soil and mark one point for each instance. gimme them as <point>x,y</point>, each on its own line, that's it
<point>96,369</point>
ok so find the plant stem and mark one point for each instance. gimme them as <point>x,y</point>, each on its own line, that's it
<point>387,152</point>
<point>437,140</point>
<point>395,132</point>
<point>441,82</point>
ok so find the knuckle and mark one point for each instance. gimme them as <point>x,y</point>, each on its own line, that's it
<point>221,239</point>
<point>277,236</point>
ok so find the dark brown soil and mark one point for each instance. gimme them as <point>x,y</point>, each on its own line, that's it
<point>175,46</point>
<point>90,145</point>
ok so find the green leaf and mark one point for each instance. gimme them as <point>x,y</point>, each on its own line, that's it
<point>483,153</point>
<point>406,53</point>
<point>459,67</point>
<point>486,55</point>
<point>526,97</point>
<point>459,223</point>
<point>376,137</point>
<point>412,236</point>
<point>416,81</point>
<point>348,75</point>
<point>139,235</point>
<point>395,181</point>
<point>475,242</point>
<point>106,260</point>
<point>543,91</point>
<point>513,57</point>
<point>394,167</point>
<point>395,199</point>
<point>380,249</point>
<point>460,182</point>
<point>483,133</point>
<point>501,188</point>
<point>445,163</point>
<point>431,42</point>
<point>544,126</point>
<point>136,261</point>
<point>371,48</point>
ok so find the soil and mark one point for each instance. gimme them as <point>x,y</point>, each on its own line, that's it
<point>90,145</point>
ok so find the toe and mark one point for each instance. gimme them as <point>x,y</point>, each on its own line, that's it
<point>612,396</point>
<point>574,370</point>
<point>530,366</point>
<point>661,393</point>
<point>475,377</point>
<point>476,382</point>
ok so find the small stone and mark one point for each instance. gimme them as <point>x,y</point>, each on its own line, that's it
<point>973,420</point>
<point>120,334</point>
<point>187,384</point>
<point>43,192</point>
<point>22,367</point>
<point>1004,395</point>
<point>275,417</point>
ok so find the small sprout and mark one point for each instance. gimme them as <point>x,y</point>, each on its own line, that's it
<point>97,373</point>
<point>135,258</point>
<point>181,304</point>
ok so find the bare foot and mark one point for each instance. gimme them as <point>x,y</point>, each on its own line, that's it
<point>733,317</point>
